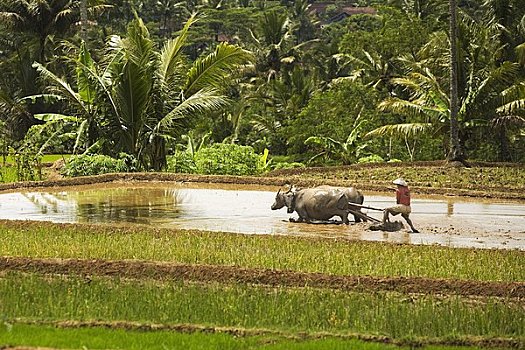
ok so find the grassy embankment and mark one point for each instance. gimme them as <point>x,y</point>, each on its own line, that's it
<point>482,179</point>
<point>46,158</point>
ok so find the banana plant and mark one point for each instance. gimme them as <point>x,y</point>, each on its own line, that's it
<point>347,151</point>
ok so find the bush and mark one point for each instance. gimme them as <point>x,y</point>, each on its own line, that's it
<point>84,165</point>
<point>181,162</point>
<point>374,158</point>
<point>227,159</point>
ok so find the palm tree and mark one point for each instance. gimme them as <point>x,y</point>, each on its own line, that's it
<point>456,152</point>
<point>83,20</point>
<point>273,42</point>
<point>507,17</point>
<point>510,120</point>
<point>167,10</point>
<point>140,97</point>
<point>372,70</point>
<point>423,95</point>
<point>39,19</point>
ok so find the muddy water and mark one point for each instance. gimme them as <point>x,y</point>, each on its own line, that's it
<point>246,209</point>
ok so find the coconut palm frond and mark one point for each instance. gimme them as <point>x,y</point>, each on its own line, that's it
<point>201,101</point>
<point>520,49</point>
<point>513,99</point>
<point>212,69</point>
<point>513,106</point>
<point>132,95</point>
<point>414,87</point>
<point>11,19</point>
<point>509,120</point>
<point>503,74</point>
<point>170,52</point>
<point>61,85</point>
<point>514,92</point>
<point>411,109</point>
<point>407,129</point>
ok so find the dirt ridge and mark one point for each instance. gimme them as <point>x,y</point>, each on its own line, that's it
<point>270,179</point>
<point>231,274</point>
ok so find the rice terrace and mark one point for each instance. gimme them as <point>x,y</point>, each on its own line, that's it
<point>133,277</point>
<point>262,174</point>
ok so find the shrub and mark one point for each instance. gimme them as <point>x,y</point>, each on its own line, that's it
<point>286,165</point>
<point>84,165</point>
<point>181,162</point>
<point>373,158</point>
<point>227,159</point>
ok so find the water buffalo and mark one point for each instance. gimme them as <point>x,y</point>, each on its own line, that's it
<point>319,203</point>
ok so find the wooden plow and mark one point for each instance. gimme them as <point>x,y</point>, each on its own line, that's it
<point>377,225</point>
<point>354,209</point>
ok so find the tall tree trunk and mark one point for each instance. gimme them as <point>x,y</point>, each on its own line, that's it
<point>83,20</point>
<point>504,147</point>
<point>455,153</point>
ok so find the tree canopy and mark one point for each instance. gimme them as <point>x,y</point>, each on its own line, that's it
<point>318,83</point>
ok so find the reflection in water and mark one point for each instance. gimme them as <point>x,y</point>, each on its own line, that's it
<point>45,202</point>
<point>450,208</point>
<point>245,210</point>
<point>128,205</point>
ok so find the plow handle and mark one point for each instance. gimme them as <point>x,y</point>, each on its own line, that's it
<point>364,206</point>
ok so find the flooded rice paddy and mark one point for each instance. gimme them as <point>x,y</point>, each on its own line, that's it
<point>246,209</point>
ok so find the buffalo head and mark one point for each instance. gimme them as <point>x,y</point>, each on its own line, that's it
<point>284,199</point>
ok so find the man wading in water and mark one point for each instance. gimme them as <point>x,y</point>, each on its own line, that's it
<point>403,204</point>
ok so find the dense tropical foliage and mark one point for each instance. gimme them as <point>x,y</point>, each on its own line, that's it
<point>310,82</point>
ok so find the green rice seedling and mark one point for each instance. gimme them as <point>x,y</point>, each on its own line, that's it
<point>396,315</point>
<point>104,338</point>
<point>329,256</point>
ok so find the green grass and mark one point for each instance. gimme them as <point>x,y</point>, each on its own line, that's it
<point>101,338</point>
<point>8,174</point>
<point>34,297</point>
<point>47,158</point>
<point>330,256</point>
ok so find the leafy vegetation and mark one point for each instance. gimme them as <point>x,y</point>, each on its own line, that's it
<point>318,83</point>
<point>218,159</point>
<point>302,82</point>
<point>85,165</point>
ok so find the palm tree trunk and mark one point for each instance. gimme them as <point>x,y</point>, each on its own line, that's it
<point>83,20</point>
<point>455,153</point>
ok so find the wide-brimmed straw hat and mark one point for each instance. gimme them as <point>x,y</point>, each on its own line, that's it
<point>400,181</point>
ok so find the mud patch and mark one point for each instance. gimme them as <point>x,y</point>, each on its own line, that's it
<point>274,278</point>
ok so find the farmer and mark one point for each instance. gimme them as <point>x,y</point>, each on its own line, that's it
<point>403,204</point>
